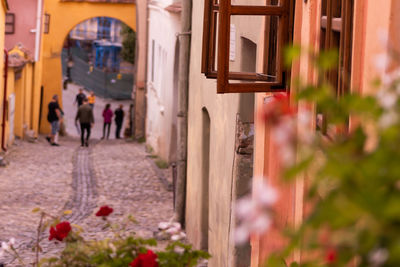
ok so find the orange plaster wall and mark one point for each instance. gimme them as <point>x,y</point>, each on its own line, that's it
<point>376,15</point>
<point>367,26</point>
<point>394,29</point>
<point>266,162</point>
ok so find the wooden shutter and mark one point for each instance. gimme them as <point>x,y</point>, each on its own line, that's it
<point>336,33</point>
<point>274,27</point>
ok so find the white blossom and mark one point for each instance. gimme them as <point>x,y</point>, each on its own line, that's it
<point>284,136</point>
<point>378,257</point>
<point>175,237</point>
<point>387,99</point>
<point>304,117</point>
<point>305,132</point>
<point>287,154</point>
<point>284,131</point>
<point>172,230</point>
<point>253,212</point>
<point>382,62</point>
<point>265,195</point>
<point>179,250</point>
<point>244,207</point>
<point>242,234</point>
<point>388,119</point>
<point>182,234</point>
<point>260,224</point>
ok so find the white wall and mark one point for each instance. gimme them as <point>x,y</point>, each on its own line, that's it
<point>163,29</point>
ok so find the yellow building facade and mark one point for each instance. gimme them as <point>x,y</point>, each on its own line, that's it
<point>64,16</point>
<point>21,94</point>
<point>4,8</point>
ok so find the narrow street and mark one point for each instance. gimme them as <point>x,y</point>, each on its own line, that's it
<point>117,173</point>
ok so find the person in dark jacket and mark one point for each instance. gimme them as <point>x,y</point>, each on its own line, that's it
<point>119,118</point>
<point>86,119</point>
<point>80,97</point>
<point>53,117</point>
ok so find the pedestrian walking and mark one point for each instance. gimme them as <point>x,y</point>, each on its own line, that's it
<point>53,117</point>
<point>86,120</point>
<point>80,97</point>
<point>119,118</point>
<point>92,99</point>
<point>107,115</point>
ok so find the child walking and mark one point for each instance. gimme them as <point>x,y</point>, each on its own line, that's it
<point>107,115</point>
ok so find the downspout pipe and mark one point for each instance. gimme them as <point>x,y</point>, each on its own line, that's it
<point>3,124</point>
<point>38,28</point>
<point>183,93</point>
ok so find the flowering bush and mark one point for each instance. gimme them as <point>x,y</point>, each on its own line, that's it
<point>124,249</point>
<point>354,186</point>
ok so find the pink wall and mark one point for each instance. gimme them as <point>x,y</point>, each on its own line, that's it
<point>25,21</point>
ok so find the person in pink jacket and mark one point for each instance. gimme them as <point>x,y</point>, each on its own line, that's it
<point>107,115</point>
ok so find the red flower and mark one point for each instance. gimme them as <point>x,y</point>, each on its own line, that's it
<point>331,256</point>
<point>148,259</point>
<point>277,107</point>
<point>60,232</point>
<point>104,211</point>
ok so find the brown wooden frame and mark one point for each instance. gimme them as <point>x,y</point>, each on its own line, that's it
<point>336,33</point>
<point>252,82</point>
<point>10,24</point>
<point>211,9</point>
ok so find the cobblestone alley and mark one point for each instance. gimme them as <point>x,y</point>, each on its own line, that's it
<point>113,172</point>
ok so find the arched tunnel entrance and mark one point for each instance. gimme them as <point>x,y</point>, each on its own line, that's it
<point>98,59</point>
<point>99,54</point>
<point>64,17</point>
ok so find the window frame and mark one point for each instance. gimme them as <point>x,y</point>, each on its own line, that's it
<point>340,77</point>
<point>10,24</point>
<point>224,10</point>
<point>46,24</point>
<point>342,25</point>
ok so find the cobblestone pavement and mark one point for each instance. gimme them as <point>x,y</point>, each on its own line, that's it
<point>97,131</point>
<point>110,172</point>
<point>83,199</point>
<point>114,172</point>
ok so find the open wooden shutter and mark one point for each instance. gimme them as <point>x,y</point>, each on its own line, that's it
<point>267,25</point>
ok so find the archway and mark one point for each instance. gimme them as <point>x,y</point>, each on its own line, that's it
<point>63,17</point>
<point>98,57</point>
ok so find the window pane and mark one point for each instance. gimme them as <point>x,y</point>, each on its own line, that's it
<point>253,46</point>
<point>9,28</point>
<point>9,18</point>
<point>214,45</point>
